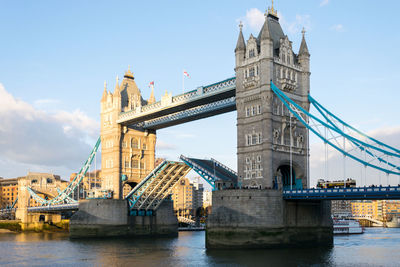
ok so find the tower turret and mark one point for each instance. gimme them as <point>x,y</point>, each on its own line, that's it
<point>104,97</point>
<point>240,49</point>
<point>152,99</point>
<point>304,61</point>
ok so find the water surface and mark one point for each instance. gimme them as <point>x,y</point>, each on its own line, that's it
<point>376,247</point>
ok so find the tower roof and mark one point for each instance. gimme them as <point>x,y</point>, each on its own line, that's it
<point>264,33</point>
<point>275,31</point>
<point>240,46</point>
<point>303,47</point>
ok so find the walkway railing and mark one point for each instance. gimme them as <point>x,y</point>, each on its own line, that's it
<point>199,93</point>
<point>344,193</point>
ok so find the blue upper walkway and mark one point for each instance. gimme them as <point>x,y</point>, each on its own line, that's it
<point>357,193</point>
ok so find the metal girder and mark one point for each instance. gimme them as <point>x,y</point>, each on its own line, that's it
<point>196,113</point>
<point>150,193</point>
<point>64,194</point>
<point>201,96</point>
<point>206,175</point>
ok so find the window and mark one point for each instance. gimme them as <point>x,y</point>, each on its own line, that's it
<point>259,138</point>
<point>248,139</point>
<point>135,164</point>
<point>251,53</point>
<point>49,180</point>
<point>258,158</point>
<point>254,139</point>
<point>134,143</point>
<point>248,112</point>
<point>144,146</point>
<point>254,111</point>
<point>126,164</point>
<point>247,160</point>
<point>259,109</point>
<point>251,72</point>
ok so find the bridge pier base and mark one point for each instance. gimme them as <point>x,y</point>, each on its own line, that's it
<point>262,219</point>
<point>110,218</point>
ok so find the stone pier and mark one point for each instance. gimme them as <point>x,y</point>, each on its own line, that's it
<point>110,217</point>
<point>262,219</point>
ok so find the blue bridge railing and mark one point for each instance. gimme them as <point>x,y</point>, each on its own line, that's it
<point>357,193</point>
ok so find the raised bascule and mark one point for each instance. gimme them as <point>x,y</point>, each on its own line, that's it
<point>267,202</point>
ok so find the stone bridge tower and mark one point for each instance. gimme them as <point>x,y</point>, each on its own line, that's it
<point>270,142</point>
<point>127,154</point>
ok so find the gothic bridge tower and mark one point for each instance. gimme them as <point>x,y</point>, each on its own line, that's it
<point>128,154</point>
<point>271,143</point>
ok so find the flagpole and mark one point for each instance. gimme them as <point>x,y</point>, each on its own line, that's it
<point>183,81</point>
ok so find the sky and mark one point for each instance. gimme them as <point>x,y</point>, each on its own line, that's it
<point>56,55</point>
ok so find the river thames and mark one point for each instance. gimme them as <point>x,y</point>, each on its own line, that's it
<point>376,247</point>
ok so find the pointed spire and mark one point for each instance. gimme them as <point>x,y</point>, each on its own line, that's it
<point>272,11</point>
<point>240,46</point>
<point>103,98</point>
<point>303,47</point>
<point>116,90</point>
<point>152,99</point>
<point>264,33</point>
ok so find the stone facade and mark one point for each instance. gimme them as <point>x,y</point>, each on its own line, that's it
<point>128,154</point>
<point>266,133</point>
<point>106,218</point>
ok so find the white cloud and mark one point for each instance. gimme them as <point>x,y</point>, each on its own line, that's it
<point>324,2</point>
<point>40,140</point>
<point>338,28</point>
<point>45,101</point>
<point>295,26</point>
<point>254,19</point>
<point>161,145</point>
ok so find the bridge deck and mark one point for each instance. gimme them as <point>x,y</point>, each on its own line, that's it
<point>201,103</point>
<point>359,193</point>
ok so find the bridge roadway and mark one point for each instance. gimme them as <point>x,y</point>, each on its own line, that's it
<point>205,101</point>
<point>357,193</point>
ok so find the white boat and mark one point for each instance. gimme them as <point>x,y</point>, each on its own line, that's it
<point>394,223</point>
<point>346,227</point>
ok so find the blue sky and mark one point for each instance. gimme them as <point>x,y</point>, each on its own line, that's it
<point>55,57</point>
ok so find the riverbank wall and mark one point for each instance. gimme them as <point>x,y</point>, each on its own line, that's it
<point>18,226</point>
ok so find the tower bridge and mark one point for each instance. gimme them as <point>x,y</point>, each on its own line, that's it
<point>271,94</point>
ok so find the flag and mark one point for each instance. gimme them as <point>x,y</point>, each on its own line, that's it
<point>186,74</point>
<point>151,83</point>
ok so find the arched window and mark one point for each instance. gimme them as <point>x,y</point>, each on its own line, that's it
<point>134,143</point>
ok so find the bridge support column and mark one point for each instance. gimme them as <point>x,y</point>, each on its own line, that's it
<point>110,217</point>
<point>23,200</point>
<point>262,219</point>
